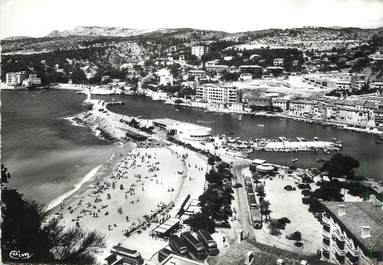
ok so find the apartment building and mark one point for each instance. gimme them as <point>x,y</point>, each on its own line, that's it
<point>254,70</point>
<point>275,71</point>
<point>31,81</point>
<point>278,62</point>
<point>281,103</point>
<point>301,107</point>
<point>199,50</point>
<point>353,233</point>
<point>15,78</point>
<point>377,84</point>
<point>218,93</point>
<point>200,74</point>
<point>166,78</point>
<point>217,68</point>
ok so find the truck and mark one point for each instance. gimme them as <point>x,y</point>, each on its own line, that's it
<point>256,218</point>
<point>194,245</point>
<point>249,190</point>
<point>248,181</point>
<point>178,246</point>
<point>252,201</point>
<point>163,254</point>
<point>209,243</point>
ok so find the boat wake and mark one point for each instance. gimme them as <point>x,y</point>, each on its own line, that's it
<point>61,198</point>
<point>202,121</point>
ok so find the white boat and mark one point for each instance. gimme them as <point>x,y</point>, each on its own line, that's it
<point>260,125</point>
<point>316,138</point>
<point>326,151</point>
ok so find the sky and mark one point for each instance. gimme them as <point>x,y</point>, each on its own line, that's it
<point>37,18</point>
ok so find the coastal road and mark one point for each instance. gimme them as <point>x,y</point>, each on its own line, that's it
<point>241,203</point>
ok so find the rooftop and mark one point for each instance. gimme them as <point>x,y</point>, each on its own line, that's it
<point>360,214</point>
<point>177,260</point>
<point>262,255</point>
<point>174,124</point>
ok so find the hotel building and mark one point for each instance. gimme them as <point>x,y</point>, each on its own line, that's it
<point>199,50</point>
<point>218,93</point>
<point>353,233</point>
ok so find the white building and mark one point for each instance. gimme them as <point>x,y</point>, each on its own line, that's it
<point>166,78</point>
<point>301,107</point>
<point>246,76</point>
<point>173,259</point>
<point>199,50</point>
<point>236,107</point>
<point>15,78</point>
<point>278,62</point>
<point>281,103</point>
<point>352,233</point>
<point>218,93</point>
<point>183,130</point>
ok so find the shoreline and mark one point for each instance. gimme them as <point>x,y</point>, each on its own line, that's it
<point>338,125</point>
<point>102,172</point>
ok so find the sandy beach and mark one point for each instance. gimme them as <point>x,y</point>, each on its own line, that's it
<point>142,189</point>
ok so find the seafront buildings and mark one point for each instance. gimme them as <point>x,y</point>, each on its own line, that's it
<point>218,93</point>
<point>22,79</point>
<point>15,78</point>
<point>353,233</point>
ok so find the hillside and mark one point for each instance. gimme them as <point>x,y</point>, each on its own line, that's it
<point>98,31</point>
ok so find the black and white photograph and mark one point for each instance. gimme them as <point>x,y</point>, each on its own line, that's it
<point>204,132</point>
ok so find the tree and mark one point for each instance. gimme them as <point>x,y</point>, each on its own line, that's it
<point>260,190</point>
<point>76,246</point>
<point>212,159</point>
<point>297,236</point>
<point>328,191</point>
<point>265,205</point>
<point>339,166</point>
<point>274,227</point>
<point>25,228</point>
<point>21,228</point>
<point>201,221</point>
<point>133,123</point>
<point>78,76</point>
<point>213,177</point>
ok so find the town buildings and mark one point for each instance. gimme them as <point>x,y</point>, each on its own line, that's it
<point>254,70</point>
<point>218,93</point>
<point>278,62</point>
<point>22,79</point>
<point>301,108</point>
<point>15,78</point>
<point>281,103</point>
<point>217,68</point>
<point>199,50</point>
<point>166,78</point>
<point>337,81</point>
<point>200,74</point>
<point>32,80</point>
<point>353,233</point>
